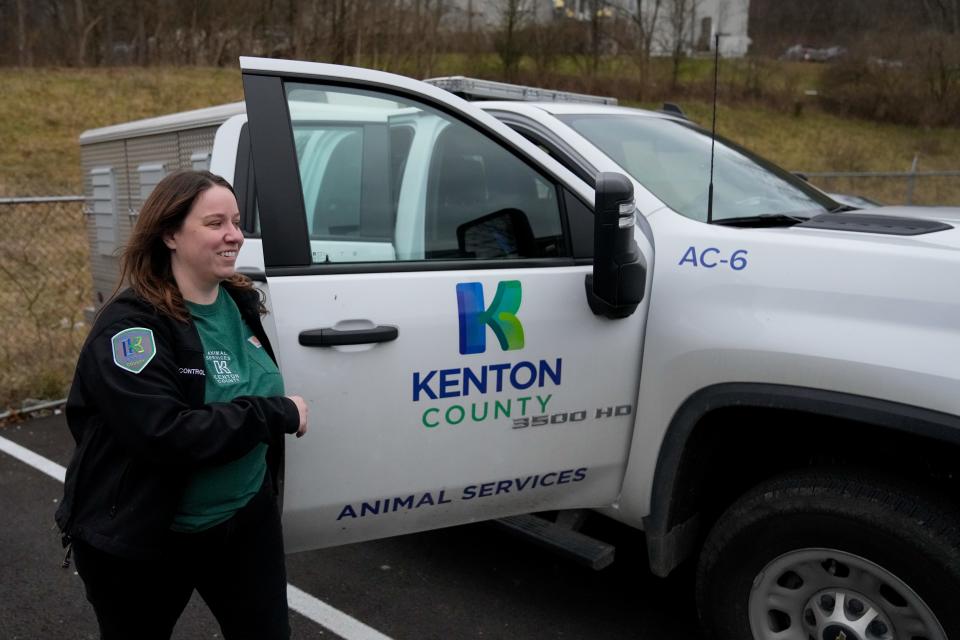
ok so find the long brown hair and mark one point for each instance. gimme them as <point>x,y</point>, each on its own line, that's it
<point>145,262</point>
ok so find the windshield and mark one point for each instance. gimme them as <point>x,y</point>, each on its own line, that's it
<point>672,160</point>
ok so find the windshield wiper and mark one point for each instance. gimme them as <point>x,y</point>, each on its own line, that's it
<point>843,208</point>
<point>762,220</point>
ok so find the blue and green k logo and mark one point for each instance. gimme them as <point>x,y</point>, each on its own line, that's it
<point>500,316</point>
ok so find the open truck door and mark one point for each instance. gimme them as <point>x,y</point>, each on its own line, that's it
<point>426,268</point>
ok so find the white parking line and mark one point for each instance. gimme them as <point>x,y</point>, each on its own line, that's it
<point>36,461</point>
<point>303,603</point>
<point>330,618</point>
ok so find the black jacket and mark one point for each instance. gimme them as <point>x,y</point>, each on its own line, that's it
<point>140,435</point>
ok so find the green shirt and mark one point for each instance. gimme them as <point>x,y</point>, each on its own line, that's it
<point>235,365</point>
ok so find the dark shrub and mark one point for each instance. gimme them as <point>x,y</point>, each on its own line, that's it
<point>920,87</point>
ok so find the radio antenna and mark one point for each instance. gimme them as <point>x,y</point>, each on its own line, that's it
<point>713,127</point>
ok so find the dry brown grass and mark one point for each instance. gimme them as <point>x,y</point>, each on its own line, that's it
<point>44,287</point>
<point>44,111</point>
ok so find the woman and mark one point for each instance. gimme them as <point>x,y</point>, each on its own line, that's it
<point>179,413</point>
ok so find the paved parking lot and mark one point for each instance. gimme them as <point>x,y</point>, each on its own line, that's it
<point>473,581</point>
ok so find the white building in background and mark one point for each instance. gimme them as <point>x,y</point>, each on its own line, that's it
<point>702,19</point>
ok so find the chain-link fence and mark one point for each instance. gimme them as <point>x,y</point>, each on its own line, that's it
<point>44,288</point>
<point>893,187</point>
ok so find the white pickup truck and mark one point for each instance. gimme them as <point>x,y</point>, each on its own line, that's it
<point>506,308</point>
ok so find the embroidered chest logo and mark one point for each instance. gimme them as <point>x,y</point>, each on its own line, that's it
<point>133,348</point>
<point>220,367</point>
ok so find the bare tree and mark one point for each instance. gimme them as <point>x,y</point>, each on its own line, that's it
<point>386,29</point>
<point>645,19</point>
<point>943,14</point>
<point>596,33</point>
<point>680,16</point>
<point>423,34</point>
<point>84,27</point>
<point>359,26</point>
<point>547,40</point>
<point>514,15</point>
<point>141,53</point>
<point>587,33</point>
<point>590,46</point>
<point>338,31</point>
<point>24,53</point>
<point>439,11</point>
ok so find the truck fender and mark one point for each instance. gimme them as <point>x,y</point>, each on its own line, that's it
<point>674,528</point>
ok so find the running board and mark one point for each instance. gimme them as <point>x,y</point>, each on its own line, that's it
<point>561,539</point>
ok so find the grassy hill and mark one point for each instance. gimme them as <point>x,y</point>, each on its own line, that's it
<point>43,112</point>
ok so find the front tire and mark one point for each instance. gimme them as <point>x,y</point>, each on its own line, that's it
<point>824,556</point>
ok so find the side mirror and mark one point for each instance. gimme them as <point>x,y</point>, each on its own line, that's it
<point>618,281</point>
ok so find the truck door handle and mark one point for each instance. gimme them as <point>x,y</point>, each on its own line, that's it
<point>329,337</point>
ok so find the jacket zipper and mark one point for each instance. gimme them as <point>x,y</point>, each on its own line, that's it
<point>82,449</point>
<point>116,494</point>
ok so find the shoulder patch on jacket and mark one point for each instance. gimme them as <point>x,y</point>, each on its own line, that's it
<point>133,348</point>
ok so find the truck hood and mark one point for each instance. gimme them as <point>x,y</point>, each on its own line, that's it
<point>944,239</point>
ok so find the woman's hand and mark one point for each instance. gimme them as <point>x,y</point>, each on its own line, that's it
<point>303,411</point>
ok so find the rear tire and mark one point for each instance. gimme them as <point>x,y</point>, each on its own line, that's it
<point>810,555</point>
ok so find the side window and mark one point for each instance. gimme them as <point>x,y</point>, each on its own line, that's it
<point>473,179</point>
<point>389,179</point>
<point>579,169</point>
<point>330,159</point>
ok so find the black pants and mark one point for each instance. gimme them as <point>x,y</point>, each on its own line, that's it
<point>237,567</point>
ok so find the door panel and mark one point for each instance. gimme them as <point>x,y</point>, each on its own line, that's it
<point>502,392</point>
<point>411,417</point>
